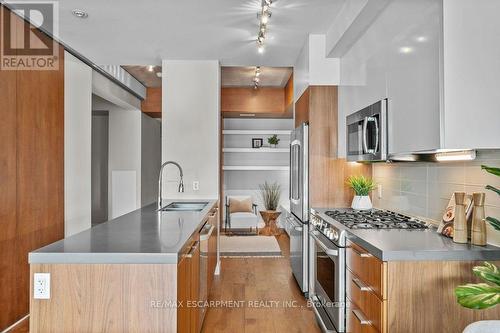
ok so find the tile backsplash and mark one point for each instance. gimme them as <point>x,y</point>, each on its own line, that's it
<point>424,189</point>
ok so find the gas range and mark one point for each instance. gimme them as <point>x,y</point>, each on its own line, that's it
<point>333,223</point>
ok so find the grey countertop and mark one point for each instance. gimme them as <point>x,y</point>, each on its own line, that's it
<point>144,236</point>
<point>406,245</point>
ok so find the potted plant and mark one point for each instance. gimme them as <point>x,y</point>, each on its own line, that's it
<point>483,295</point>
<point>270,195</point>
<point>273,141</point>
<point>362,187</point>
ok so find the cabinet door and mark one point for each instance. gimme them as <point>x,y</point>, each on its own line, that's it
<point>212,250</point>
<point>194,263</point>
<point>183,295</point>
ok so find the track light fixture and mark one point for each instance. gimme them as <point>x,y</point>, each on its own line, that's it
<point>256,78</point>
<point>264,15</point>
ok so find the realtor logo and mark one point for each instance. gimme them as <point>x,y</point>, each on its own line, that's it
<point>27,46</point>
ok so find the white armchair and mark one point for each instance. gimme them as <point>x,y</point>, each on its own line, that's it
<point>241,213</point>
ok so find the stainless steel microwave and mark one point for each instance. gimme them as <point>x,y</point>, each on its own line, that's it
<point>367,133</point>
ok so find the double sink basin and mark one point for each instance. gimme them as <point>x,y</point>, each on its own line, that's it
<point>184,206</point>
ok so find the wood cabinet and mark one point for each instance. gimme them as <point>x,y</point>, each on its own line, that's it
<point>407,296</point>
<point>189,314</point>
<point>366,289</point>
<point>212,248</point>
<point>188,287</point>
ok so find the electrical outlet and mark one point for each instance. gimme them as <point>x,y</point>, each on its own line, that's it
<point>41,287</point>
<point>196,185</point>
<point>379,191</point>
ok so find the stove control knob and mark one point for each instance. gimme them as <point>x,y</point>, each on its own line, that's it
<point>329,233</point>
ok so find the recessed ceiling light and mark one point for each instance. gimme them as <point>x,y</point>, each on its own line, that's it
<point>158,74</point>
<point>421,39</point>
<point>406,49</point>
<point>79,13</point>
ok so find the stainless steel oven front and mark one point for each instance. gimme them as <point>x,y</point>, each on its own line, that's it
<point>329,282</point>
<point>367,138</point>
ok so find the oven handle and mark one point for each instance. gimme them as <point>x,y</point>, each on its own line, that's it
<point>296,227</point>
<point>327,250</point>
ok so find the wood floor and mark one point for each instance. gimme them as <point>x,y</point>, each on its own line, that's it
<point>259,282</point>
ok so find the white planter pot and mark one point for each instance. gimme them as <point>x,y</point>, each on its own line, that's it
<point>361,202</point>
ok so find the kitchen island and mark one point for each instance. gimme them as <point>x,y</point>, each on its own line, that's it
<point>129,274</point>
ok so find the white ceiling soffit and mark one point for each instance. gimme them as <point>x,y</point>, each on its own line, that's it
<point>144,32</point>
<point>243,76</point>
<point>353,20</point>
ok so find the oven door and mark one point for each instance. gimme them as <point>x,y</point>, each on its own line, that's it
<point>329,286</point>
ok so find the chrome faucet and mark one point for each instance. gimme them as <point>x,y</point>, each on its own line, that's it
<point>181,182</point>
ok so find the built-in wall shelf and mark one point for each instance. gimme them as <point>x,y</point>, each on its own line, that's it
<point>256,150</point>
<point>255,168</point>
<point>256,132</point>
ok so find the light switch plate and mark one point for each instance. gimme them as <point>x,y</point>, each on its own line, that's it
<point>41,286</point>
<point>379,191</point>
<point>196,185</point>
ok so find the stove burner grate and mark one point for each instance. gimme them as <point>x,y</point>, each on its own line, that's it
<point>375,219</point>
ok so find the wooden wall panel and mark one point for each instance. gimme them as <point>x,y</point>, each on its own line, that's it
<point>106,298</point>
<point>31,174</point>
<point>289,95</point>
<point>327,174</point>
<point>152,104</point>
<point>263,101</point>
<point>302,108</point>
<point>421,297</point>
<point>8,194</point>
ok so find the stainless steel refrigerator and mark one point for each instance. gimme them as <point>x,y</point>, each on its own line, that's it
<point>299,204</point>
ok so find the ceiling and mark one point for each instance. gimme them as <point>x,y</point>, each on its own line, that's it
<point>145,74</point>
<point>119,32</point>
<point>243,76</point>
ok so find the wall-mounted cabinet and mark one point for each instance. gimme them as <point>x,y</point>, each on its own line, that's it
<point>441,96</point>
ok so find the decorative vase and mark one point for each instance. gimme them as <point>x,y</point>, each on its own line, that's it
<point>270,228</point>
<point>361,202</point>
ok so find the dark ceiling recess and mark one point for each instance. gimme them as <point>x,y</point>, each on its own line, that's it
<point>149,76</point>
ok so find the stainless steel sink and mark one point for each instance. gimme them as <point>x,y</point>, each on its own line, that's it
<point>185,206</point>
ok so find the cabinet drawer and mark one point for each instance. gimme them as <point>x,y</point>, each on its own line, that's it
<point>368,268</point>
<point>363,298</point>
<point>356,321</point>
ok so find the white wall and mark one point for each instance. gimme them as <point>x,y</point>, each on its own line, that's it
<point>151,158</point>
<point>77,145</point>
<point>190,126</point>
<point>124,189</point>
<point>471,73</point>
<point>313,68</point>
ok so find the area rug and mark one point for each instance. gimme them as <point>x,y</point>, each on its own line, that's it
<point>249,246</point>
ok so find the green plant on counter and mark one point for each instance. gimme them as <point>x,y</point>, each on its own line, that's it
<point>361,185</point>
<point>270,194</point>
<point>481,295</point>
<point>495,223</point>
<point>273,140</point>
